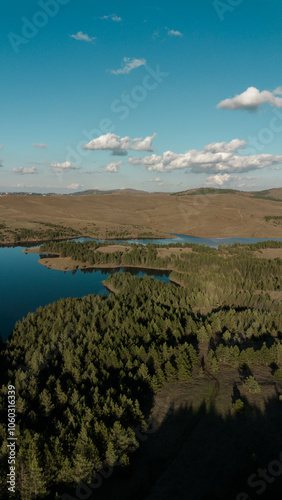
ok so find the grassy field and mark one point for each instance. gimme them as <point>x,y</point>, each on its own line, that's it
<point>125,215</point>
<point>269,253</point>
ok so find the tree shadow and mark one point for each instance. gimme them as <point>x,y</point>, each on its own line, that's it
<point>201,455</point>
<point>273,368</point>
<point>244,371</point>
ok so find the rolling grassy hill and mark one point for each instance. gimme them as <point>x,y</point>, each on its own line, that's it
<point>128,213</point>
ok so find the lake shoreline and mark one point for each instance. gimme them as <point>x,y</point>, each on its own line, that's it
<point>27,243</point>
<point>58,263</point>
<point>53,260</point>
<point>68,264</point>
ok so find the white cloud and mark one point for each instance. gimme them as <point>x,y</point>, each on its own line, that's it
<point>40,145</point>
<point>214,158</point>
<point>113,167</point>
<point>26,170</point>
<point>174,33</point>
<point>252,99</point>
<point>128,65</point>
<point>83,36</point>
<point>63,167</point>
<point>119,145</point>
<point>218,179</point>
<point>245,185</point>
<point>75,186</point>
<point>112,17</point>
<point>158,180</point>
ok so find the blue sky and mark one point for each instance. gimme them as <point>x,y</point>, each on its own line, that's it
<point>158,96</point>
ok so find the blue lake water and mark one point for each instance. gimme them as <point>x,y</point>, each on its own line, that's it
<point>183,238</point>
<point>25,285</point>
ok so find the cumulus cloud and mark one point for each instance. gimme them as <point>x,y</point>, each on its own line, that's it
<point>40,145</point>
<point>236,181</point>
<point>26,170</point>
<point>158,180</point>
<point>215,158</point>
<point>63,167</point>
<point>112,17</point>
<point>75,186</point>
<point>244,185</point>
<point>128,65</point>
<point>113,167</point>
<point>218,179</point>
<point>252,99</point>
<point>174,33</point>
<point>119,145</point>
<point>83,36</point>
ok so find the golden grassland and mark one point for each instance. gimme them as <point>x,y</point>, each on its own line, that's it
<point>127,215</point>
<point>269,253</point>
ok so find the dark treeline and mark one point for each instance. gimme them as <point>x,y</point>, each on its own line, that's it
<point>54,231</point>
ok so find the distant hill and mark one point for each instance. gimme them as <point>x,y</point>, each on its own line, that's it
<point>214,213</point>
<point>110,191</point>
<point>198,191</point>
<point>269,194</point>
<point>274,194</point>
<point>24,193</point>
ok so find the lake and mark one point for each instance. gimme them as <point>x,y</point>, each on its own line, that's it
<point>26,285</point>
<point>183,238</point>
